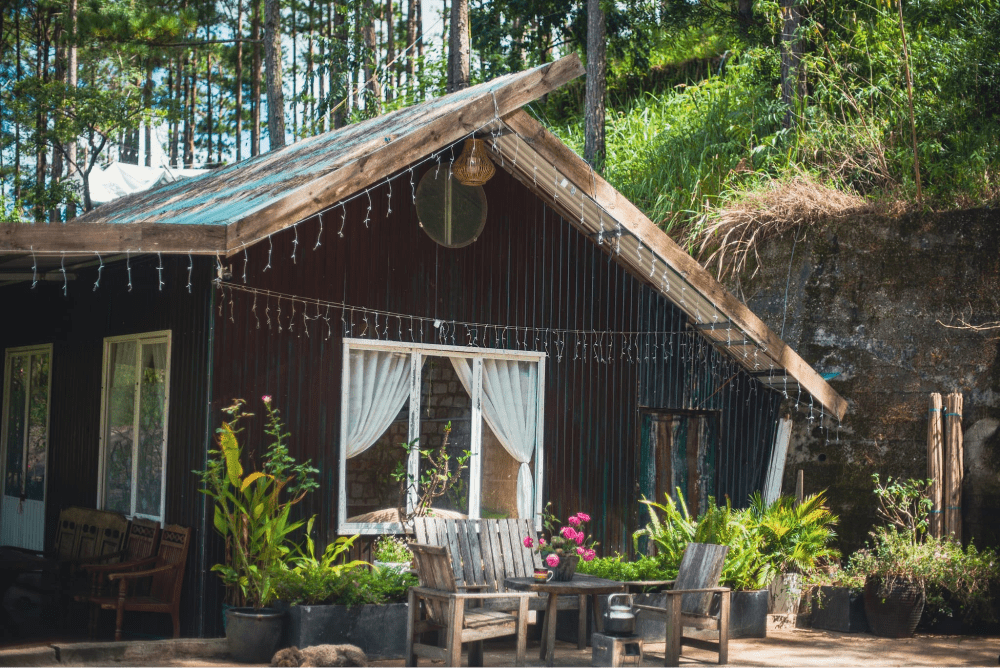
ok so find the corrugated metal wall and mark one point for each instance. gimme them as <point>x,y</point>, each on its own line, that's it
<point>530,269</point>
<point>77,325</point>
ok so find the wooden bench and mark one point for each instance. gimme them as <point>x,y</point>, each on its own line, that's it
<point>484,553</point>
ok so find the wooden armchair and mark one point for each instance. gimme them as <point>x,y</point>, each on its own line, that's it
<point>689,603</point>
<point>141,543</point>
<point>439,604</point>
<point>165,574</point>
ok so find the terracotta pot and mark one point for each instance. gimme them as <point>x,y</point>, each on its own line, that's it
<point>566,569</point>
<point>893,607</point>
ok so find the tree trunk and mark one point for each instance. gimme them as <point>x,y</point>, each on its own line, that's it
<point>390,50</point>
<point>191,121</point>
<point>791,55</point>
<point>458,46</point>
<point>325,34</point>
<point>57,157</point>
<point>255,81</point>
<point>295,73</point>
<point>310,75</point>
<point>208,106</point>
<point>238,110</point>
<point>374,92</point>
<point>411,53</point>
<point>147,104</point>
<point>593,149</point>
<point>340,31</point>
<point>272,57</point>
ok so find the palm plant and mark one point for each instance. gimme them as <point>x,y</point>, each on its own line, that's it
<point>796,537</point>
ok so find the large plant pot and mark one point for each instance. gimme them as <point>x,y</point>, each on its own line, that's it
<point>748,614</point>
<point>893,608</point>
<point>839,609</point>
<point>566,569</point>
<point>785,592</point>
<point>379,630</point>
<point>254,635</point>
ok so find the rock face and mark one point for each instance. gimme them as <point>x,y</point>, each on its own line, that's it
<point>867,299</point>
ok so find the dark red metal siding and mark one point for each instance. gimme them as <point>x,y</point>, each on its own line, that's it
<point>530,269</point>
<point>77,325</point>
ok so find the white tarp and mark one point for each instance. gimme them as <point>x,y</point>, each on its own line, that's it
<point>119,179</point>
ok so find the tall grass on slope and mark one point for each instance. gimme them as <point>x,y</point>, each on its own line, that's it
<point>674,154</point>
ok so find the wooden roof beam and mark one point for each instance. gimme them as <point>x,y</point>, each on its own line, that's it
<point>112,238</point>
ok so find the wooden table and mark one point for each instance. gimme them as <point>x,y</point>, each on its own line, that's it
<point>582,586</point>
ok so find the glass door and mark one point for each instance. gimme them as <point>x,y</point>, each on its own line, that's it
<point>24,437</point>
<point>134,429</point>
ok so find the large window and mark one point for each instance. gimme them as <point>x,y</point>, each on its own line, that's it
<point>134,424</point>
<point>394,394</point>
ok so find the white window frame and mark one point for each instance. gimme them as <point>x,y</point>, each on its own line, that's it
<point>45,348</point>
<point>161,336</point>
<point>416,352</point>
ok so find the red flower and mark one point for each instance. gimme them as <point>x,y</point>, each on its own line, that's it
<point>528,542</point>
<point>552,560</point>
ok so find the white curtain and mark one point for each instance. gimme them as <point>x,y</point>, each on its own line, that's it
<point>510,402</point>
<point>379,386</point>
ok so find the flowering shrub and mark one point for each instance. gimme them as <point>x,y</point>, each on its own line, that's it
<point>570,539</point>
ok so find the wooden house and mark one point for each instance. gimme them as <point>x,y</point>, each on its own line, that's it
<point>540,320</point>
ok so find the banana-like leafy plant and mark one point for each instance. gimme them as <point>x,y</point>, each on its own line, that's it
<point>252,510</point>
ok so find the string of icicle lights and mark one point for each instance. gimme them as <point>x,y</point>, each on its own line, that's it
<point>308,317</point>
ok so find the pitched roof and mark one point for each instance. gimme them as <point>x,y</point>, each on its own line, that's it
<point>234,207</point>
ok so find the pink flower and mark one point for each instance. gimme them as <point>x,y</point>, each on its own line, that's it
<point>552,560</point>
<point>575,521</point>
<point>589,555</point>
<point>266,398</point>
<point>583,517</point>
<point>579,538</point>
<point>568,533</point>
<point>581,551</point>
<point>541,541</point>
<point>528,542</point>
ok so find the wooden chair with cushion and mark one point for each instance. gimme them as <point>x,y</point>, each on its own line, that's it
<point>164,574</point>
<point>690,603</point>
<point>440,603</point>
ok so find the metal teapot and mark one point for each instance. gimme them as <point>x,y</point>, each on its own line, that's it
<point>619,619</point>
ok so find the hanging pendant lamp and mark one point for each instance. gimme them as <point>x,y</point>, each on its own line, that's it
<point>473,167</point>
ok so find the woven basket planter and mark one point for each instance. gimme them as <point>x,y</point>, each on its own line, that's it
<point>893,609</point>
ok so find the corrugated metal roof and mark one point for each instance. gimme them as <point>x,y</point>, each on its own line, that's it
<point>239,190</point>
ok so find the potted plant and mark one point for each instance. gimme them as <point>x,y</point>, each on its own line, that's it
<point>252,516</point>
<point>391,553</point>
<point>903,568</point>
<point>332,601</point>
<point>564,548</point>
<point>797,541</point>
<point>835,599</point>
<point>747,570</point>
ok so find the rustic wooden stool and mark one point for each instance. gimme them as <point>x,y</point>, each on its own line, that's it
<point>613,650</point>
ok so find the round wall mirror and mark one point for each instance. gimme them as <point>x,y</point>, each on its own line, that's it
<point>450,213</point>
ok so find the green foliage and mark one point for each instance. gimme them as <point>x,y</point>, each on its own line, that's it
<point>956,581</point>
<point>250,511</point>
<point>357,586</point>
<point>391,550</point>
<point>797,535</point>
<point>763,540</point>
<point>617,568</point>
<point>436,478</point>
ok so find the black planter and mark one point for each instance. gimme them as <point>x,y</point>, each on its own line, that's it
<point>839,609</point>
<point>893,610</point>
<point>254,635</point>
<point>748,614</point>
<point>379,630</point>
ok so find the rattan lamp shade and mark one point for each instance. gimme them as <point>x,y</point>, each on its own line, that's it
<point>473,167</point>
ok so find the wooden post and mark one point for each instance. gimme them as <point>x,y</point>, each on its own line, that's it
<point>935,464</point>
<point>953,463</point>
<point>800,487</point>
